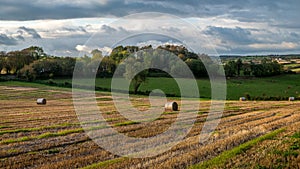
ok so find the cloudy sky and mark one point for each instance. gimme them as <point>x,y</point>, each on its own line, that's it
<point>67,28</point>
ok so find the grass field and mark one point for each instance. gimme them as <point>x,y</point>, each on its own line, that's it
<point>279,86</point>
<point>251,134</point>
<point>297,70</point>
<point>295,67</point>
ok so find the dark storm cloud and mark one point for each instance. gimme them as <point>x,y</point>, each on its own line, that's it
<point>108,29</point>
<point>276,21</point>
<point>31,32</point>
<point>111,30</point>
<point>77,29</point>
<point>31,10</point>
<point>35,9</point>
<point>276,12</point>
<point>20,37</point>
<point>234,35</point>
<point>5,40</point>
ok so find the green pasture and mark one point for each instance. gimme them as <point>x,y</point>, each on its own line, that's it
<point>277,86</point>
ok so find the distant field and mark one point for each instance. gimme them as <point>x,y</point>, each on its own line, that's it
<point>50,136</point>
<point>292,65</point>
<point>297,70</point>
<point>295,67</point>
<point>283,86</point>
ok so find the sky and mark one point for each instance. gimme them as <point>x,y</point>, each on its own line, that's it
<point>70,28</point>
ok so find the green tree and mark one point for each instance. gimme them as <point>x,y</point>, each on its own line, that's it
<point>15,60</point>
<point>258,70</point>
<point>230,69</point>
<point>28,73</point>
<point>96,54</point>
<point>119,53</point>
<point>197,67</point>
<point>134,71</point>
<point>246,69</point>
<point>35,52</point>
<point>2,54</point>
<point>239,65</point>
<point>67,65</point>
<point>267,68</point>
<point>107,66</point>
<point>9,64</point>
<point>179,69</point>
<point>46,67</point>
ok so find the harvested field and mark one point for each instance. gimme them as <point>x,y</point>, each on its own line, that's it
<point>50,136</point>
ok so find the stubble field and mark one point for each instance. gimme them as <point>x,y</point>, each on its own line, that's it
<point>50,136</point>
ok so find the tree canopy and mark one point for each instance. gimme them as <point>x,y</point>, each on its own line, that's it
<point>33,62</point>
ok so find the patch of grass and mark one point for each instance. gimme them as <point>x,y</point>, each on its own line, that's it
<point>160,118</point>
<point>57,134</point>
<point>232,108</point>
<point>226,155</point>
<point>44,135</point>
<point>279,114</point>
<point>202,112</point>
<point>32,84</point>
<point>66,132</point>
<point>171,112</point>
<point>104,164</point>
<point>126,123</point>
<point>11,151</point>
<point>4,127</point>
<point>19,130</point>
<point>91,122</point>
<point>280,105</point>
<point>258,166</point>
<point>21,139</point>
<point>27,113</point>
<point>52,151</point>
<point>296,135</point>
<point>109,113</point>
<point>26,138</point>
<point>297,70</point>
<point>112,119</point>
<point>292,65</point>
<point>295,146</point>
<point>286,153</point>
<point>3,159</point>
<point>283,86</point>
<point>61,133</point>
<point>215,132</point>
<point>97,128</point>
<point>35,129</point>
<point>104,99</point>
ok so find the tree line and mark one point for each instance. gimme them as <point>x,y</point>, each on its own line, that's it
<point>33,63</point>
<point>266,67</point>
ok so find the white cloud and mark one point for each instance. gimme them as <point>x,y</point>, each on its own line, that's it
<point>155,43</point>
<point>283,45</point>
<point>70,34</point>
<point>88,49</point>
<point>83,48</point>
